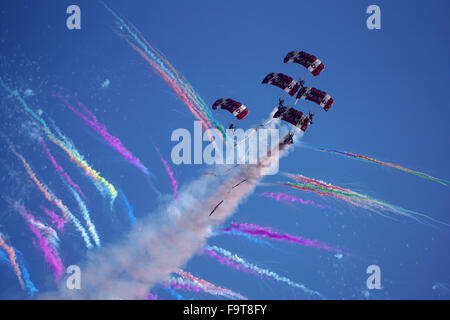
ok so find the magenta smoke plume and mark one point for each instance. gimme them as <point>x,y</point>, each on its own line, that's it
<point>103,132</point>
<point>56,220</point>
<point>256,230</point>
<point>170,174</point>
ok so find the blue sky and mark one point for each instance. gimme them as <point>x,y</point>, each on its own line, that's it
<point>389,88</point>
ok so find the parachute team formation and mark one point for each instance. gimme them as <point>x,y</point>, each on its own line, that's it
<point>49,230</point>
<point>291,87</point>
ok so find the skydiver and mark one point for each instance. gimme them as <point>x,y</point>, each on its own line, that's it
<point>310,117</point>
<point>290,138</point>
<point>302,82</point>
<point>231,126</point>
<point>281,107</point>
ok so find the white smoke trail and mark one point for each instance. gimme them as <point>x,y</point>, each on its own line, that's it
<point>163,242</point>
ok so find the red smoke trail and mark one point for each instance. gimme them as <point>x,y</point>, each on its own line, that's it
<point>13,260</point>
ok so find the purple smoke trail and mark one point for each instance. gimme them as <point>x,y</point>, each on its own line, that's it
<point>151,296</point>
<point>103,132</point>
<point>61,170</point>
<point>287,197</point>
<point>50,253</point>
<point>228,262</point>
<point>256,230</point>
<point>186,287</point>
<point>56,220</point>
<point>170,174</point>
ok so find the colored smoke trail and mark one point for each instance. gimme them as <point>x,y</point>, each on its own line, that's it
<point>162,242</point>
<point>50,253</point>
<point>12,260</point>
<point>181,87</point>
<point>151,296</point>
<point>91,121</point>
<point>30,287</point>
<point>209,287</point>
<point>363,158</point>
<point>47,239</point>
<point>354,198</point>
<point>86,216</point>
<point>51,197</point>
<point>256,230</point>
<point>249,237</point>
<point>287,197</point>
<point>169,172</point>
<point>268,273</point>
<point>56,220</point>
<point>174,293</point>
<point>179,284</point>
<point>30,220</point>
<point>129,208</point>
<point>60,169</point>
<point>228,262</point>
<point>74,156</point>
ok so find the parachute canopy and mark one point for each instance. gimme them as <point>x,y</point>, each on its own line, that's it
<point>293,116</point>
<point>318,96</point>
<point>314,65</point>
<point>236,108</point>
<point>282,81</point>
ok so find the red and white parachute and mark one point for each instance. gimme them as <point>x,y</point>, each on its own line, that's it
<point>314,65</point>
<point>282,81</point>
<point>236,108</point>
<point>318,96</point>
<point>293,116</point>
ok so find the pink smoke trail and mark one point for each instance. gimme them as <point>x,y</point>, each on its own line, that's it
<point>228,262</point>
<point>56,220</point>
<point>287,197</point>
<point>184,286</point>
<point>151,296</point>
<point>60,170</point>
<point>256,230</point>
<point>103,132</point>
<point>208,286</point>
<point>48,248</point>
<point>169,172</point>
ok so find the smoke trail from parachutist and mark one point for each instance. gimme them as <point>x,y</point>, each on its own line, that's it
<point>19,261</point>
<point>51,197</point>
<point>46,236</point>
<point>287,197</point>
<point>56,220</point>
<point>86,216</point>
<point>256,230</point>
<point>151,296</point>
<point>363,158</point>
<point>129,208</point>
<point>162,242</point>
<point>354,198</point>
<point>169,172</point>
<point>70,150</point>
<point>181,87</point>
<point>245,235</point>
<point>228,262</point>
<point>261,271</point>
<point>12,260</point>
<point>113,141</point>
<point>60,169</point>
<point>209,287</point>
